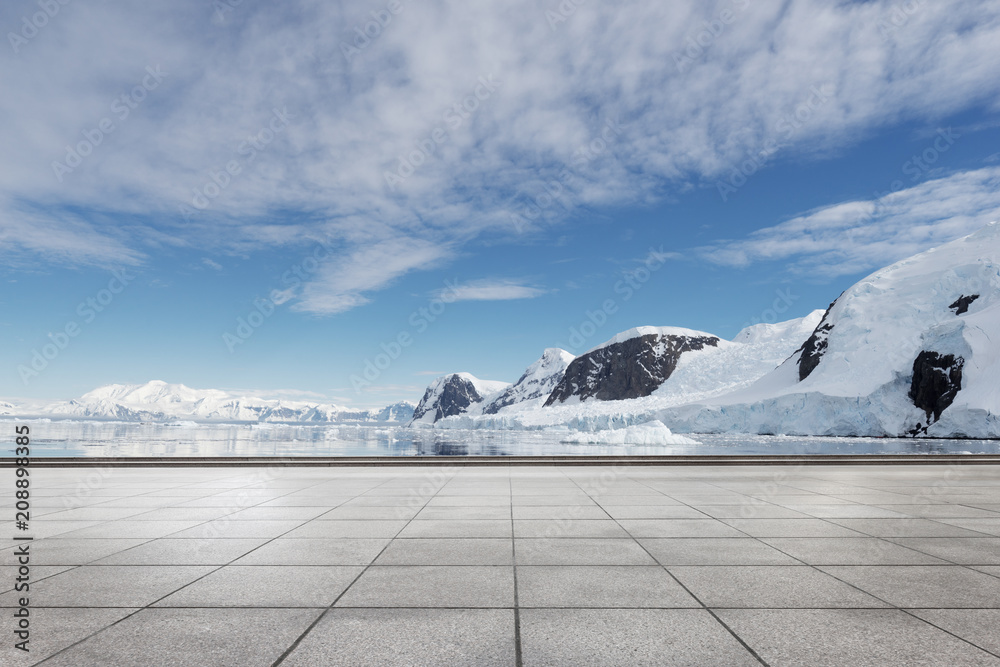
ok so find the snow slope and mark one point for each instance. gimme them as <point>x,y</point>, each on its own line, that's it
<point>162,401</point>
<point>859,374</point>
<point>535,384</point>
<point>753,352</point>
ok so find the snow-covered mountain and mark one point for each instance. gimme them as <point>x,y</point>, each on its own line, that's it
<point>912,349</point>
<point>400,412</point>
<point>720,366</point>
<point>536,383</point>
<point>454,394</point>
<point>162,401</point>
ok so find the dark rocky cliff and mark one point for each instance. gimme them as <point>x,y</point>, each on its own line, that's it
<point>628,369</point>
<point>937,379</point>
<point>451,397</point>
<point>813,349</point>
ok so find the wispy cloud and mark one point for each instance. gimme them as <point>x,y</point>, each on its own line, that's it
<point>65,239</point>
<point>342,285</point>
<point>490,290</point>
<point>856,236</point>
<point>353,119</point>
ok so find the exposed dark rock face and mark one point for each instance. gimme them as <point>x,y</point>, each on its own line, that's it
<point>962,303</point>
<point>812,350</point>
<point>937,378</point>
<point>452,398</point>
<point>502,401</point>
<point>630,369</point>
<point>513,395</point>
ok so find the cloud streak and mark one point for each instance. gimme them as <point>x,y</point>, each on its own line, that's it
<point>343,284</point>
<point>857,236</point>
<point>490,290</point>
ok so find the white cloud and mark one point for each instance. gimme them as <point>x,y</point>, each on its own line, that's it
<point>282,296</point>
<point>489,290</point>
<point>341,284</point>
<point>212,264</point>
<point>856,236</point>
<point>64,238</point>
<point>350,121</point>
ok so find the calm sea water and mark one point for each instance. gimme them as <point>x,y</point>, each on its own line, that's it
<point>78,438</point>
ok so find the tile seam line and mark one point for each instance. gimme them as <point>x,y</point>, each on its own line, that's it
<point>150,605</point>
<point>518,648</point>
<point>688,608</point>
<point>891,606</point>
<point>298,641</point>
<point>715,616</point>
<point>208,521</point>
<point>862,534</point>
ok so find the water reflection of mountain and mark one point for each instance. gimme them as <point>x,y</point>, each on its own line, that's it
<point>80,438</point>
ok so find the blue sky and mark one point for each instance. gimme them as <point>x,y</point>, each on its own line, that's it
<point>510,168</point>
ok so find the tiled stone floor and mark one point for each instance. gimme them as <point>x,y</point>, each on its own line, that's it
<point>812,565</point>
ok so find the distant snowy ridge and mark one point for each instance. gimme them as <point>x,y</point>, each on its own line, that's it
<point>162,401</point>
